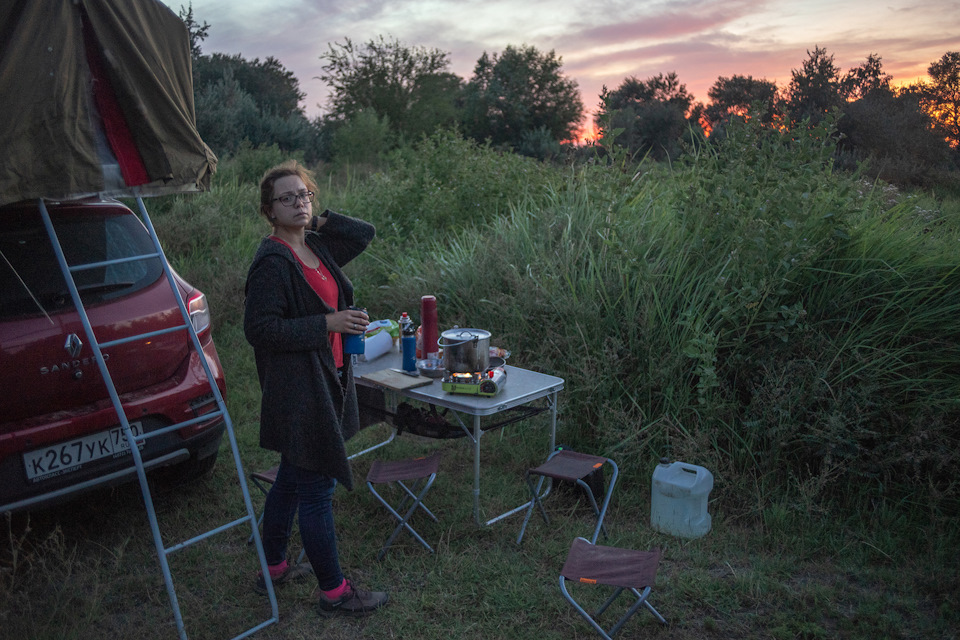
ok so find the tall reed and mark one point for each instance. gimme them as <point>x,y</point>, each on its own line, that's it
<point>747,309</point>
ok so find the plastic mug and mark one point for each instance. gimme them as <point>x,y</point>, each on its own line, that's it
<point>353,342</point>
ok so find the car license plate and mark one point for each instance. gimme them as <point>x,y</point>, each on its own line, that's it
<point>67,457</point>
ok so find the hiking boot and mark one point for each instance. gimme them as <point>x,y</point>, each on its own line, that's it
<point>353,602</point>
<point>292,573</point>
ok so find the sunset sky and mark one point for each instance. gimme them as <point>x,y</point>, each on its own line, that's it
<point>601,42</point>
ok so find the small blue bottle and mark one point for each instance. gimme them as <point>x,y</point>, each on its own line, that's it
<point>408,343</point>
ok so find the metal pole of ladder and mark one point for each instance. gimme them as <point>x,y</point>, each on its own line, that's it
<point>131,439</point>
<point>251,516</point>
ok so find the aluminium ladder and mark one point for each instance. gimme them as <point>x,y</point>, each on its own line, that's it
<point>163,551</point>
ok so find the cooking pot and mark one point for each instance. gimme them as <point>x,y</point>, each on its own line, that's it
<point>465,350</point>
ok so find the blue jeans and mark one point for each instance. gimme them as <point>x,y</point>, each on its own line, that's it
<point>310,493</point>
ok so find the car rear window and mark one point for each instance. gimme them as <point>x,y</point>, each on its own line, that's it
<point>30,279</point>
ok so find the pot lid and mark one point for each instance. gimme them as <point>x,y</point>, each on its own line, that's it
<point>464,334</point>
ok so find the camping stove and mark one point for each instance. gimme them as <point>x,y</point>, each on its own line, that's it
<point>487,383</point>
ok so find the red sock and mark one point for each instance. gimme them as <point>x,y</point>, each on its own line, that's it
<point>277,569</point>
<point>336,592</point>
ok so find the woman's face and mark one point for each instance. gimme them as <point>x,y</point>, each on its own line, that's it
<point>298,213</point>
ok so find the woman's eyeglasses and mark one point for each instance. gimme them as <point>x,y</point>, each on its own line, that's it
<point>291,199</point>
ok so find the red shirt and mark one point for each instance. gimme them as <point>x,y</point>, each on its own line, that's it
<point>323,283</point>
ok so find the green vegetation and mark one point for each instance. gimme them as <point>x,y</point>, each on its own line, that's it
<point>792,328</point>
<point>651,117</point>
<point>408,87</point>
<point>518,92</point>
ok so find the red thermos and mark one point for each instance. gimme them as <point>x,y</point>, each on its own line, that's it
<point>428,321</point>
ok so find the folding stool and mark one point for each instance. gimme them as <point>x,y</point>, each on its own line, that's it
<point>422,471</point>
<point>571,466</point>
<point>623,569</point>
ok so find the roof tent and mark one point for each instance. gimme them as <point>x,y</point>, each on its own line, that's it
<point>97,98</point>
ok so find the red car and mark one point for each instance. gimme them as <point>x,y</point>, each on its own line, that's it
<point>59,434</point>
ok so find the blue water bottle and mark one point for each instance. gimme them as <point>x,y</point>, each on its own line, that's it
<point>408,343</point>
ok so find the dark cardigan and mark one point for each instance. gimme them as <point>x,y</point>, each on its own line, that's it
<point>307,411</point>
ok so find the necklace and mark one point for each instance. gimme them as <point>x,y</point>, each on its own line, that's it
<point>302,263</point>
<point>316,268</point>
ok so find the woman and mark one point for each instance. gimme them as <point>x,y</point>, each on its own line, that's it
<point>297,309</point>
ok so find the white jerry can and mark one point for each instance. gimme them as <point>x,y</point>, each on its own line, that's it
<point>678,499</point>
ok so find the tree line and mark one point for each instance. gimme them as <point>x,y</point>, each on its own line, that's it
<point>384,93</point>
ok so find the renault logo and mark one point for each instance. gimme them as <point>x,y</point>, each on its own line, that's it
<point>73,345</point>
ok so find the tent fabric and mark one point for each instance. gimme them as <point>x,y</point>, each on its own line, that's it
<point>55,143</point>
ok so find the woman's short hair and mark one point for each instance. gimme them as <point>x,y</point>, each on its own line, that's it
<point>269,179</point>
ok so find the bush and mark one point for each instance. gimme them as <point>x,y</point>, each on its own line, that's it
<point>443,183</point>
<point>247,164</point>
<point>539,144</point>
<point>895,137</point>
<point>228,117</point>
<point>362,139</point>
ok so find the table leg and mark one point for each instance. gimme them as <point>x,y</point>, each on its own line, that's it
<point>476,469</point>
<point>552,400</point>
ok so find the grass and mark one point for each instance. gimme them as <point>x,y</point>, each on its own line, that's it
<point>791,329</point>
<point>791,574</point>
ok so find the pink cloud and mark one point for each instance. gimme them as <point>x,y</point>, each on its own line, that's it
<point>693,20</point>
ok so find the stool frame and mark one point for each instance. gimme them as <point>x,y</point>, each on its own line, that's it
<point>422,472</point>
<point>565,464</point>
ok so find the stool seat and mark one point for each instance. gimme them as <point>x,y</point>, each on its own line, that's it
<point>267,477</point>
<point>622,569</point>
<point>570,466</point>
<point>392,470</point>
<point>422,472</point>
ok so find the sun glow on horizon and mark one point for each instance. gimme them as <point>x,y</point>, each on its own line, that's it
<point>587,133</point>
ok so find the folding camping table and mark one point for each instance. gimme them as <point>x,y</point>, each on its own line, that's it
<point>515,402</point>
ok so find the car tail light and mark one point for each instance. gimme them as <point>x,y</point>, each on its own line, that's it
<point>203,405</point>
<point>199,312</point>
